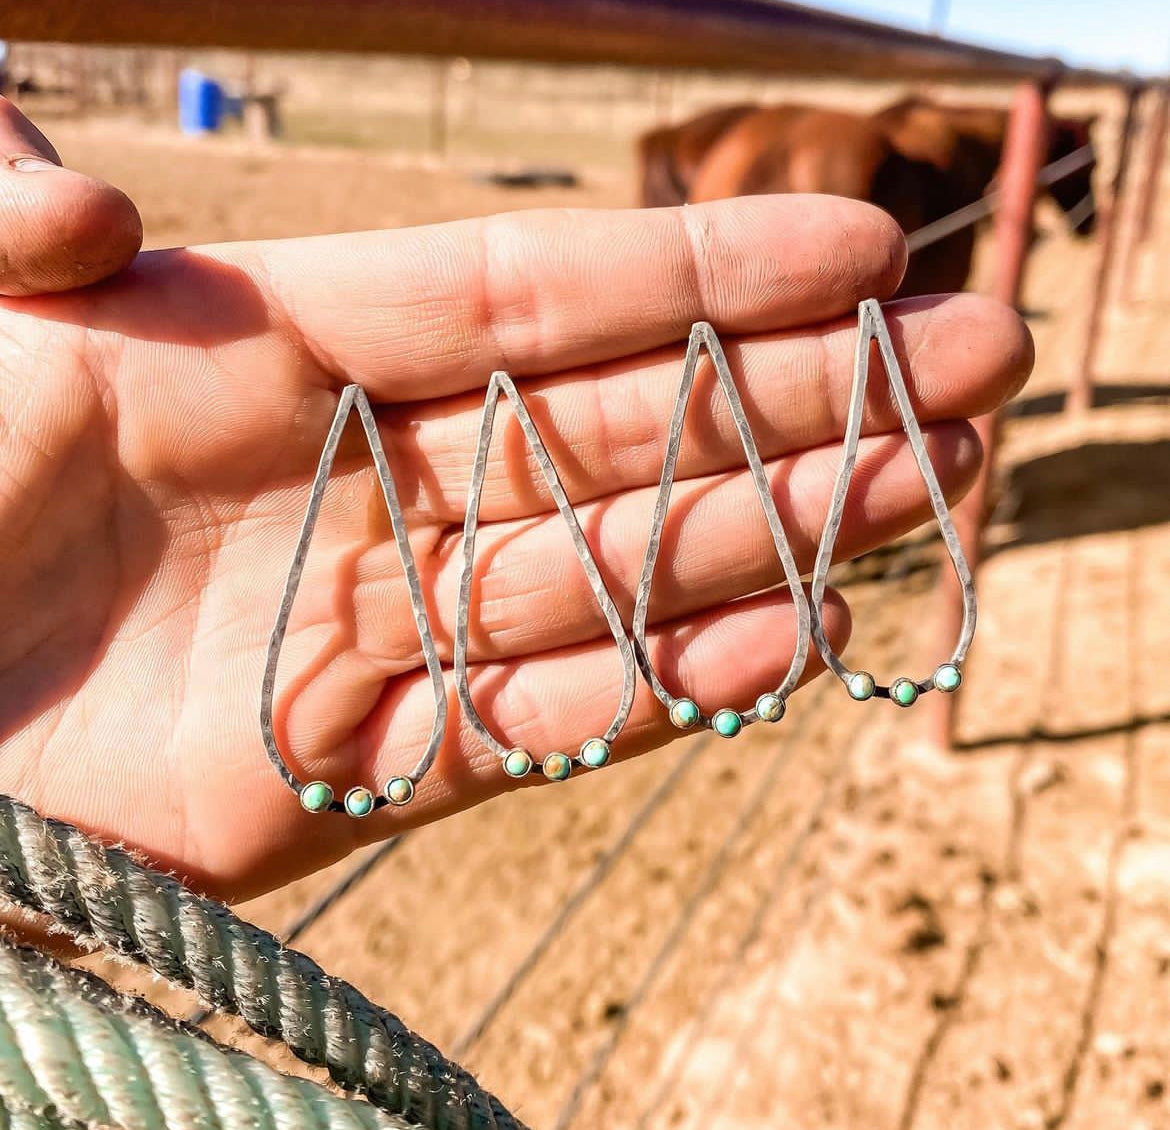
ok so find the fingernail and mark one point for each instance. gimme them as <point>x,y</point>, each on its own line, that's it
<point>31,164</point>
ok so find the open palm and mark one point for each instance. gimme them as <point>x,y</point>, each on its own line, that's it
<point>161,429</point>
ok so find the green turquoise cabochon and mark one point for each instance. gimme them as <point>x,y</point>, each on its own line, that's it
<point>727,723</point>
<point>595,753</point>
<point>556,766</point>
<point>770,707</point>
<point>316,796</point>
<point>359,801</point>
<point>518,763</point>
<point>399,790</point>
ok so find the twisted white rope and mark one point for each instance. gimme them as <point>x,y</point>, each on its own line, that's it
<point>74,1053</point>
<point>100,894</point>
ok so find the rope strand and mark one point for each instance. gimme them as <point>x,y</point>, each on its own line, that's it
<point>79,1055</point>
<point>100,894</point>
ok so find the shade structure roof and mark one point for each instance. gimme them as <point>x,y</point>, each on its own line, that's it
<point>758,35</point>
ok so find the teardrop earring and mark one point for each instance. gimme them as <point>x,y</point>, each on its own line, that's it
<point>594,752</point>
<point>685,712</point>
<point>318,796</point>
<point>861,685</point>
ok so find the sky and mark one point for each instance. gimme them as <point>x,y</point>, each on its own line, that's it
<point>1103,33</point>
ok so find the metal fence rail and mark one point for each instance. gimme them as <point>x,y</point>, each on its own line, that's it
<point>971,214</point>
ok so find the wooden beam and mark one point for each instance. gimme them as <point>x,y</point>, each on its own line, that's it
<point>1080,393</point>
<point>760,35</point>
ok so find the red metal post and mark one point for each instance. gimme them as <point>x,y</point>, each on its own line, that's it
<point>1023,156</point>
<point>1147,201</point>
<point>1080,393</point>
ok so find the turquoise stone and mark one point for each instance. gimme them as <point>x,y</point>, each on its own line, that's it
<point>556,767</point>
<point>770,707</point>
<point>684,713</point>
<point>727,723</point>
<point>316,796</point>
<point>518,763</point>
<point>904,692</point>
<point>359,802</point>
<point>595,753</point>
<point>861,685</point>
<point>948,677</point>
<point>400,790</point>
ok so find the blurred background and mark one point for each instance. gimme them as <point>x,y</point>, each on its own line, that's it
<point>868,918</point>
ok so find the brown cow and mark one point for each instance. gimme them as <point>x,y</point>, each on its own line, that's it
<point>916,159</point>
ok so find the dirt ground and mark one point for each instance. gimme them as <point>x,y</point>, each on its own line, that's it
<point>850,930</point>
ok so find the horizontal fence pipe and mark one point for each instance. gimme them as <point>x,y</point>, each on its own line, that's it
<point>972,213</point>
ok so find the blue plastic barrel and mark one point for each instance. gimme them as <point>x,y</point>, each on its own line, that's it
<point>200,102</point>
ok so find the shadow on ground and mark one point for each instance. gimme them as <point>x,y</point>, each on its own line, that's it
<point>1104,396</point>
<point>1040,733</point>
<point>1093,489</point>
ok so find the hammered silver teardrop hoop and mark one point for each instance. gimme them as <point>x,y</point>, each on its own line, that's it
<point>684,712</point>
<point>861,685</point>
<point>594,752</point>
<point>318,796</point>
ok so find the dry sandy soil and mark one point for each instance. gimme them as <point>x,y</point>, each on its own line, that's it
<point>850,930</point>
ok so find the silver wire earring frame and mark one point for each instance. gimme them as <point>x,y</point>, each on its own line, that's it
<point>517,761</point>
<point>684,712</point>
<point>871,326</point>
<point>318,796</point>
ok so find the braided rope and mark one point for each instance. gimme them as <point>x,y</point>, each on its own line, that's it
<point>100,894</point>
<point>79,1055</point>
<point>22,1120</point>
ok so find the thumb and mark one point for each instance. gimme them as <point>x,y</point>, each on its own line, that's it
<point>58,229</point>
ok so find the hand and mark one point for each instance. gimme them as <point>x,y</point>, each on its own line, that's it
<point>162,428</point>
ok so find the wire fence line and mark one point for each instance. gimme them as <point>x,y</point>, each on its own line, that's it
<point>700,1020</point>
<point>594,1069</point>
<point>596,876</point>
<point>720,1097</point>
<point>721,1092</point>
<point>330,897</point>
<point>708,881</point>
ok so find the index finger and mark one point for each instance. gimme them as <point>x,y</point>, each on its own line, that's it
<point>420,313</point>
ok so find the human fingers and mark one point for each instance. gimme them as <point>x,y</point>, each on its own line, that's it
<point>554,701</point>
<point>419,313</point>
<point>531,595</point>
<point>722,657</point>
<point>210,355</point>
<point>58,229</point>
<point>606,426</point>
